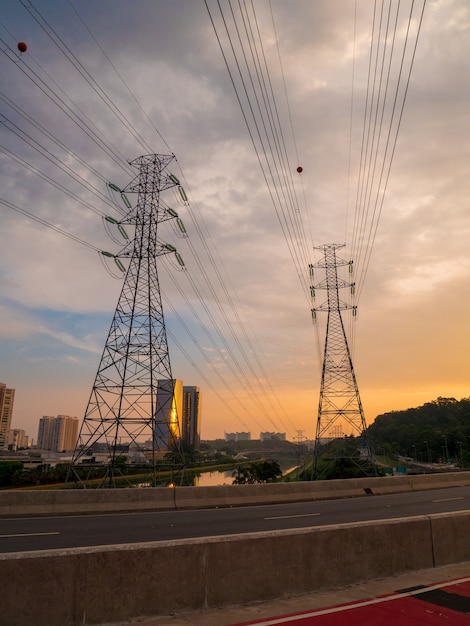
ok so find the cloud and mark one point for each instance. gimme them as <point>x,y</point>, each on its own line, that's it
<point>174,91</point>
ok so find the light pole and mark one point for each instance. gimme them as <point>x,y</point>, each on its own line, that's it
<point>447,450</point>
<point>429,452</point>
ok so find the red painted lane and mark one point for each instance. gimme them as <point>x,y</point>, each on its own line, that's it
<point>400,609</point>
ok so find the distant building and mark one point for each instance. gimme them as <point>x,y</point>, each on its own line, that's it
<point>191,420</point>
<point>7,397</point>
<point>65,433</point>
<point>237,436</point>
<point>169,413</point>
<point>17,438</point>
<point>58,434</point>
<point>272,436</point>
<point>45,430</point>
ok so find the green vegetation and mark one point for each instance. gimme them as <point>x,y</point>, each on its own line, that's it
<point>344,467</point>
<point>261,472</point>
<point>10,472</point>
<point>341,459</point>
<point>437,432</point>
<point>286,452</point>
<point>213,456</point>
<point>14,474</point>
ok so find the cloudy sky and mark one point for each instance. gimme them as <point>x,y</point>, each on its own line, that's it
<point>105,82</point>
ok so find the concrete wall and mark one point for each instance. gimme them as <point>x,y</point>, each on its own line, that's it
<point>105,584</point>
<point>74,501</point>
<point>79,501</point>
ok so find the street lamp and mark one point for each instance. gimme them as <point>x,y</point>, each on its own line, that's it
<point>447,450</point>
<point>429,452</point>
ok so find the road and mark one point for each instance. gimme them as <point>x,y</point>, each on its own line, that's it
<point>58,532</point>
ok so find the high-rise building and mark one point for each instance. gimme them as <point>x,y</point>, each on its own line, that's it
<point>58,434</point>
<point>65,433</point>
<point>191,422</point>
<point>169,412</point>
<point>272,436</point>
<point>237,436</point>
<point>7,397</point>
<point>45,433</point>
<point>17,438</point>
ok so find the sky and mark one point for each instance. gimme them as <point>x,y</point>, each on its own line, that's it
<point>103,83</point>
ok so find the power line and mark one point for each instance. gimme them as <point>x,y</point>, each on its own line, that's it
<point>380,131</point>
<point>47,224</point>
<point>254,104</point>
<point>45,152</point>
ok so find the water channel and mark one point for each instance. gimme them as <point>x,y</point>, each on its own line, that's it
<point>212,479</point>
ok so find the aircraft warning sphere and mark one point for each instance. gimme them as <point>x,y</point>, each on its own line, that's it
<point>22,47</point>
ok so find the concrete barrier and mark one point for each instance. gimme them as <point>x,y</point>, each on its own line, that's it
<point>451,538</point>
<point>105,584</point>
<point>438,481</point>
<point>80,501</point>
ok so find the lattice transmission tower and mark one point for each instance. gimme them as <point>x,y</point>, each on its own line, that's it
<point>132,411</point>
<point>340,411</point>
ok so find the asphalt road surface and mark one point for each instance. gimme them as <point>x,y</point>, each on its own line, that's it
<point>58,532</point>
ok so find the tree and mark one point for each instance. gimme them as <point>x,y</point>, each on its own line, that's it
<point>264,472</point>
<point>10,472</point>
<point>350,468</point>
<point>424,431</point>
<point>268,471</point>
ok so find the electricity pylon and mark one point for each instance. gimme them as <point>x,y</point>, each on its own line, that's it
<point>340,411</point>
<point>131,411</point>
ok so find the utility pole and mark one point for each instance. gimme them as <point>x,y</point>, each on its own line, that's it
<point>340,411</point>
<point>300,452</point>
<point>446,448</point>
<point>132,408</point>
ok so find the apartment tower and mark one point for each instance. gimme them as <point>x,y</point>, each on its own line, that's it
<point>191,422</point>
<point>7,397</point>
<point>58,434</point>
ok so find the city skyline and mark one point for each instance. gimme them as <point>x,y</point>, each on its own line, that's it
<point>56,299</point>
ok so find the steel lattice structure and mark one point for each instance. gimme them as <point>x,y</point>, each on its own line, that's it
<point>125,412</point>
<point>340,407</point>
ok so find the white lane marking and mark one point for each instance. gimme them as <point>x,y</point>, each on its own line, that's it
<point>292,516</point>
<point>448,499</point>
<point>28,535</point>
<point>358,605</point>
